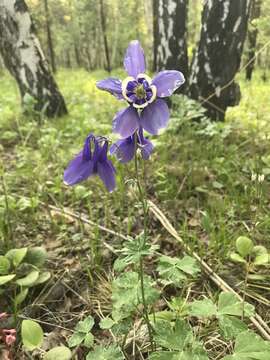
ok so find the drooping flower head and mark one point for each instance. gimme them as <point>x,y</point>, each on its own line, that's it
<point>146,107</point>
<point>92,160</point>
<point>124,149</point>
<point>8,336</point>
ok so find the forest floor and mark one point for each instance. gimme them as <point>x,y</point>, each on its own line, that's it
<point>201,175</point>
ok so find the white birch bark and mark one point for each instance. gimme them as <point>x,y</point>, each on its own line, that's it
<point>170,35</point>
<point>24,58</point>
<point>218,57</point>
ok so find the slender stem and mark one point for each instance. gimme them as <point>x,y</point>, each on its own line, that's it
<point>141,268</point>
<point>245,288</point>
<point>9,235</point>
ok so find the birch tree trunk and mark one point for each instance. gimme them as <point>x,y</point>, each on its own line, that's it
<point>223,32</point>
<point>255,13</point>
<point>23,57</point>
<point>170,35</point>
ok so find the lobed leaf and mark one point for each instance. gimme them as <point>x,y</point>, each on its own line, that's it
<point>203,308</point>
<point>249,346</point>
<point>229,304</point>
<point>85,325</point>
<point>231,326</point>
<point>111,352</point>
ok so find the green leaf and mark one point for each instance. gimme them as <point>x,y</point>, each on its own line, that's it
<point>244,246</point>
<point>179,306</point>
<point>263,259</point>
<point>172,337</point>
<point>174,270</point>
<point>191,354</point>
<point>88,340</point>
<point>76,339</point>
<point>106,323</point>
<point>126,294</point>
<point>189,349</point>
<point>231,326</point>
<point>229,304</point>
<point>217,185</point>
<point>120,264</point>
<point>249,346</point>
<point>59,353</point>
<point>259,250</point>
<point>43,277</point>
<point>203,308</point>
<point>4,265</point>
<point>36,256</point>
<point>237,258</point>
<point>29,279</point>
<point>123,327</point>
<point>32,334</point>
<point>105,353</point>
<point>85,325</point>
<point>21,297</point>
<point>257,277</point>
<point>16,256</point>
<point>163,315</point>
<point>133,251</point>
<point>24,204</point>
<point>163,355</point>
<point>6,278</point>
<point>188,265</point>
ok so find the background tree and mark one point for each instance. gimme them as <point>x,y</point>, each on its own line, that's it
<point>170,35</point>
<point>255,13</point>
<point>23,57</point>
<point>104,34</point>
<point>263,25</point>
<point>218,57</point>
<point>49,36</point>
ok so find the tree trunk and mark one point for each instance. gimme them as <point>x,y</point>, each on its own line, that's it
<point>255,13</point>
<point>170,35</point>
<point>104,33</point>
<point>215,63</point>
<point>49,36</point>
<point>25,60</point>
<point>77,55</point>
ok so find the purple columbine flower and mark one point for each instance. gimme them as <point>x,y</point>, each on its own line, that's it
<point>124,149</point>
<point>91,162</point>
<point>144,95</point>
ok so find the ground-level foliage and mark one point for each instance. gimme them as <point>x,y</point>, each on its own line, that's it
<point>211,180</point>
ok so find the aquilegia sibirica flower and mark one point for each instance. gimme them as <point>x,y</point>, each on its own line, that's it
<point>124,149</point>
<point>91,162</point>
<point>147,109</point>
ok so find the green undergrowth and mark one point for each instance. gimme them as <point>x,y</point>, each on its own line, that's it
<point>210,179</point>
